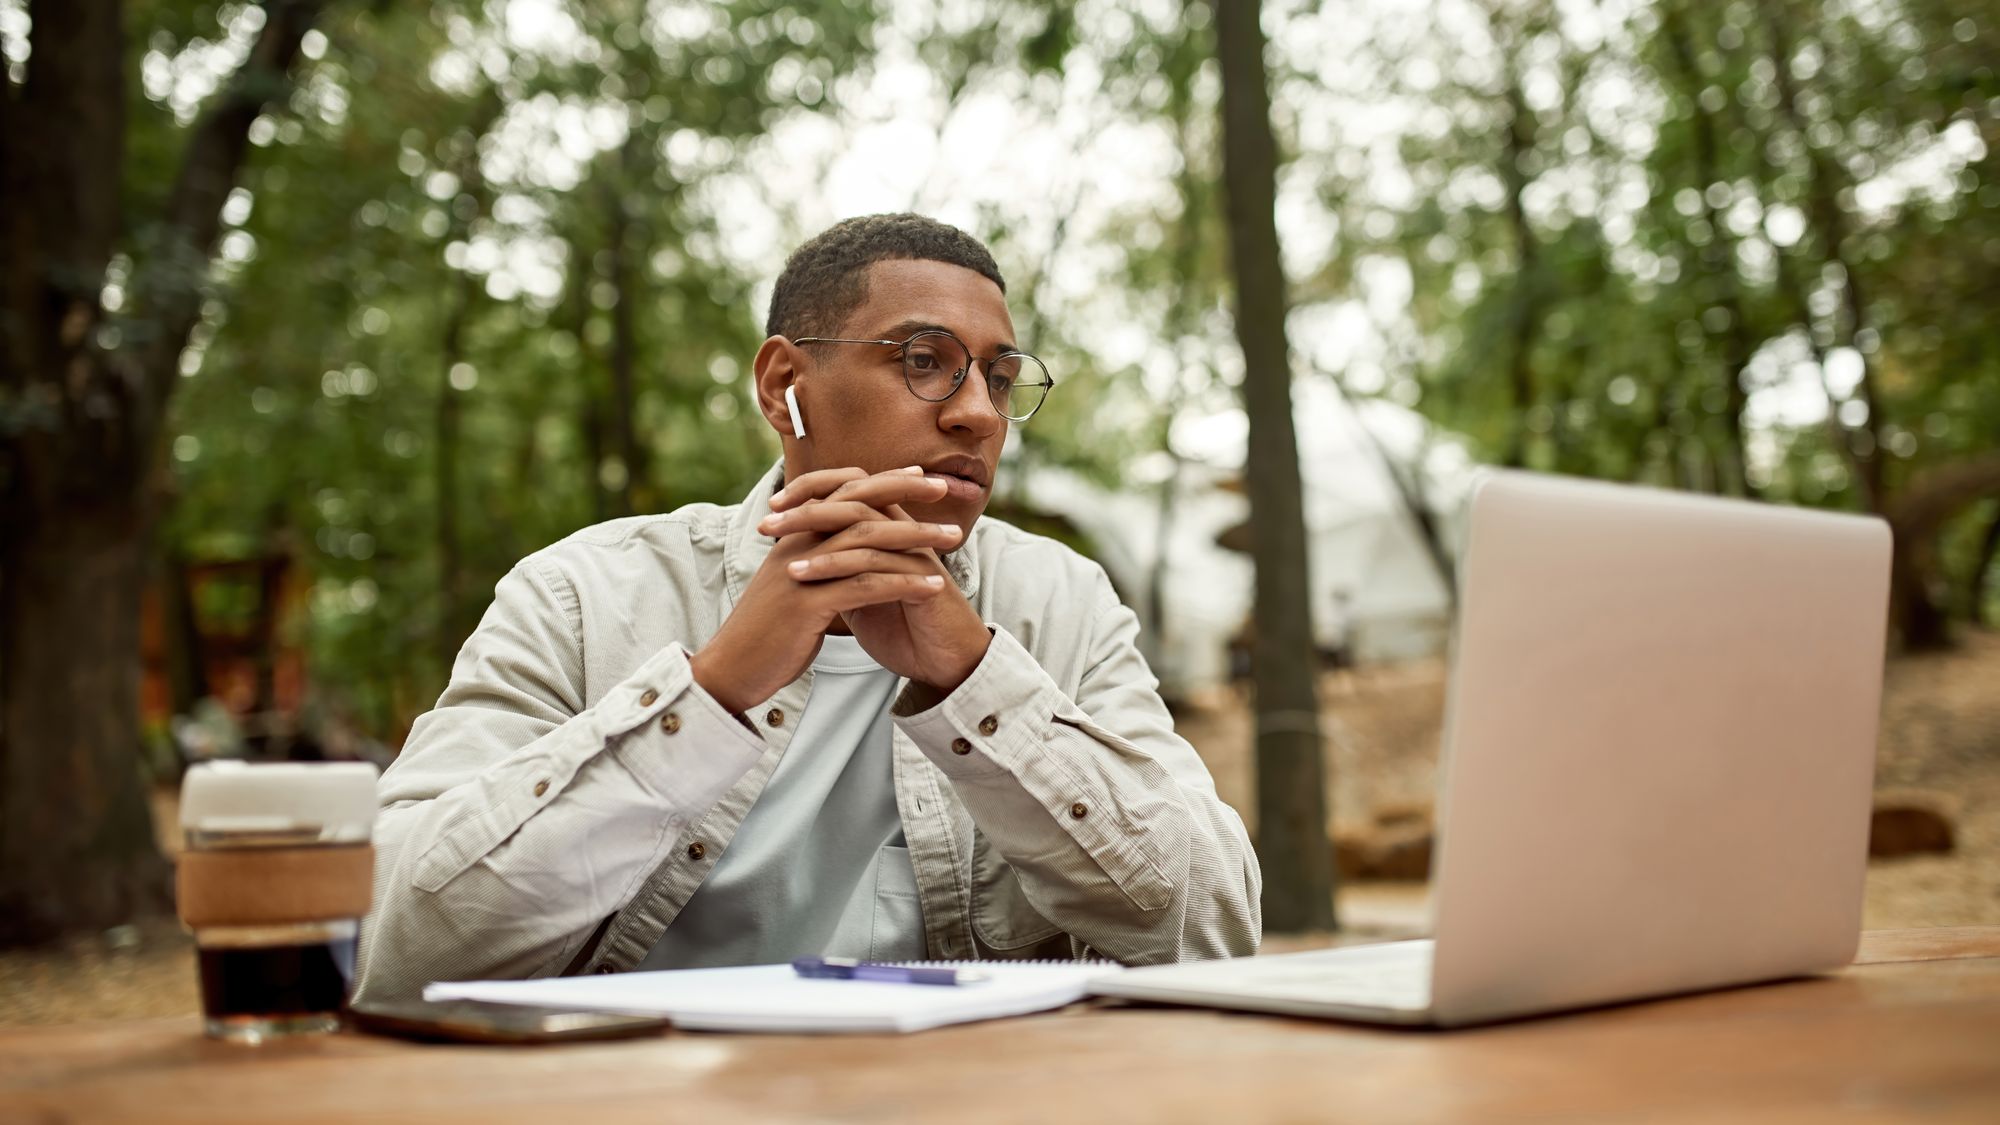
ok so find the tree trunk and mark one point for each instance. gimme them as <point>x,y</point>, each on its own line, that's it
<point>1181,317</point>
<point>452,623</point>
<point>590,424</point>
<point>451,568</point>
<point>624,342</point>
<point>1525,312</point>
<point>180,629</point>
<point>75,846</point>
<point>1291,770</point>
<point>1982,567</point>
<point>1719,257</point>
<point>76,850</point>
<point>1863,450</point>
<point>1917,514</point>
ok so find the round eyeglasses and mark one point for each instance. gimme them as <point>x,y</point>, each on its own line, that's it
<point>935,362</point>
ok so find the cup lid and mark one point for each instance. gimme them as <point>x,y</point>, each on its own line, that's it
<point>335,799</point>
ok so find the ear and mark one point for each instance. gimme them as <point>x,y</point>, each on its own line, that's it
<point>776,370</point>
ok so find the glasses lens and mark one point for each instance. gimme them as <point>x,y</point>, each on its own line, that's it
<point>1017,384</point>
<point>932,362</point>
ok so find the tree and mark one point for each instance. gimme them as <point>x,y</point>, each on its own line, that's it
<point>1291,784</point>
<point>83,401</point>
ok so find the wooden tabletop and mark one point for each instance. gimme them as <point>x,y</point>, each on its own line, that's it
<point>1911,1031</point>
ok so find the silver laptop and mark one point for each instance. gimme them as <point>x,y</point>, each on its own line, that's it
<point>1656,772</point>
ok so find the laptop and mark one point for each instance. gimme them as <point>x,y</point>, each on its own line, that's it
<point>1657,768</point>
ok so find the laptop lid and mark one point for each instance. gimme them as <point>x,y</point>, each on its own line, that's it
<point>1660,751</point>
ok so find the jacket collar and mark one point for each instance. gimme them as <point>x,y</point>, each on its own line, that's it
<point>747,548</point>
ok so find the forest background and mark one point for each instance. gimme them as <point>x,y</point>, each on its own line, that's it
<point>357,303</point>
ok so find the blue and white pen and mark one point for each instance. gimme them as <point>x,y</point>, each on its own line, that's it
<point>847,968</point>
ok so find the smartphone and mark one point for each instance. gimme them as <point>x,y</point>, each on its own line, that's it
<point>474,1021</point>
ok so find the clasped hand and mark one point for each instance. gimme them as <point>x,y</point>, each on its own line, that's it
<point>847,551</point>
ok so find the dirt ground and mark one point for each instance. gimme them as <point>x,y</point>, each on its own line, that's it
<point>1940,747</point>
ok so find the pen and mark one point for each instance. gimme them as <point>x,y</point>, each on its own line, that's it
<point>847,968</point>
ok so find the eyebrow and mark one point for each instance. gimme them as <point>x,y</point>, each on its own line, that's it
<point>903,330</point>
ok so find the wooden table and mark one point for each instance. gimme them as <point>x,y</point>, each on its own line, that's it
<point>1911,1031</point>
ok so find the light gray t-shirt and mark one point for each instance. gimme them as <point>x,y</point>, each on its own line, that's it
<point>819,866</point>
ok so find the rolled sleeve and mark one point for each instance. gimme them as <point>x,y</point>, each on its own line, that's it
<point>516,819</point>
<point>1103,831</point>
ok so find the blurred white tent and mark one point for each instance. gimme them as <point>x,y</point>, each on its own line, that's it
<point>1375,589</point>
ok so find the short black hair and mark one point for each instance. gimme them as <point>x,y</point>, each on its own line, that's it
<point>826,279</point>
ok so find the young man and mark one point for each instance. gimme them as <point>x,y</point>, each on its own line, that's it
<point>845,716</point>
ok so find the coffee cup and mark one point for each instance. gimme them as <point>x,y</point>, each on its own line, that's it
<point>274,878</point>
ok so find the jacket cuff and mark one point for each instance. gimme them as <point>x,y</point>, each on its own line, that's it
<point>981,728</point>
<point>674,737</point>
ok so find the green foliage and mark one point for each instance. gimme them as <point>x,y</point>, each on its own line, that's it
<point>1665,249</point>
<point>1623,246</point>
<point>314,416</point>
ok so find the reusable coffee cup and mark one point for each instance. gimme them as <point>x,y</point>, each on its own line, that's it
<point>274,880</point>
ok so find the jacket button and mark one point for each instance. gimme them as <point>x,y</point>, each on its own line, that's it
<point>988,725</point>
<point>697,849</point>
<point>960,746</point>
<point>648,698</point>
<point>1079,810</point>
<point>775,717</point>
<point>604,967</point>
<point>541,787</point>
<point>671,723</point>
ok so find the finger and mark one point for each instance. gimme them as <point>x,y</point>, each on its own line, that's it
<point>821,483</point>
<point>875,588</point>
<point>860,560</point>
<point>893,535</point>
<point>825,517</point>
<point>813,484</point>
<point>884,490</point>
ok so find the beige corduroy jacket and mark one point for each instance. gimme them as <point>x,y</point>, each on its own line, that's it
<point>574,786</point>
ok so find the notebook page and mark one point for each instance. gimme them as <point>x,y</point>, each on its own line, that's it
<point>774,998</point>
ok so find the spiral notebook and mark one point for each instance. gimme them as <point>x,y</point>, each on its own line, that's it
<point>774,998</point>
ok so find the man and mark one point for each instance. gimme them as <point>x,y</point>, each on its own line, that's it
<point>845,716</point>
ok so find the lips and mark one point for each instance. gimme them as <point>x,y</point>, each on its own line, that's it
<point>966,478</point>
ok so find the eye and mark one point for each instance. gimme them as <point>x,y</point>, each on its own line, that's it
<point>1002,372</point>
<point>923,358</point>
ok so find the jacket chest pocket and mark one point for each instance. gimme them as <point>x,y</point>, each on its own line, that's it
<point>897,931</point>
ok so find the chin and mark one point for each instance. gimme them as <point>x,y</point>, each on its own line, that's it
<point>963,514</point>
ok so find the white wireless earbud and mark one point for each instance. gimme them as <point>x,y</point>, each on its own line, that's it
<point>792,404</point>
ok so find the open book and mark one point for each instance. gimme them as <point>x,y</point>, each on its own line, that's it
<point>774,998</point>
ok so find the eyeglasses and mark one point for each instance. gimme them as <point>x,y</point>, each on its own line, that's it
<point>935,362</point>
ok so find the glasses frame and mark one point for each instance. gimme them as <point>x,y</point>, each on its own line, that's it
<point>958,377</point>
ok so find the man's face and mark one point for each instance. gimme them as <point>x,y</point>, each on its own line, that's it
<point>858,411</point>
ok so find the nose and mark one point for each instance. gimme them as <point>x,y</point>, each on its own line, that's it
<point>970,407</point>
